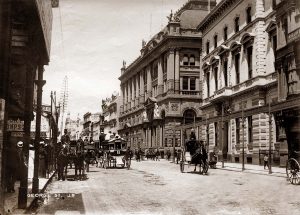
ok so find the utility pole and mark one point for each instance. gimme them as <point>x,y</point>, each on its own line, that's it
<point>40,83</point>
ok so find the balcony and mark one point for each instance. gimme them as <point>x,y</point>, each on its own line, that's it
<point>189,92</point>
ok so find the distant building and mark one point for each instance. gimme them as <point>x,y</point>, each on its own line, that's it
<point>73,127</point>
<point>162,89</point>
<point>88,120</point>
<point>109,122</point>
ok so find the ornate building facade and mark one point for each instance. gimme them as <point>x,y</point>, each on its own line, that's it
<point>162,89</point>
<point>239,80</point>
<point>287,111</point>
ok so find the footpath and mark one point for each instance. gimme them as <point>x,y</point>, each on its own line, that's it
<point>11,199</point>
<point>254,169</point>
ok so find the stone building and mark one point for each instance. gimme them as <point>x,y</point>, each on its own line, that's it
<point>88,120</point>
<point>25,38</point>
<point>73,125</point>
<point>288,69</point>
<point>239,80</point>
<point>110,117</point>
<point>162,89</point>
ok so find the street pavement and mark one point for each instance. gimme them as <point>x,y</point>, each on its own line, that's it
<point>158,187</point>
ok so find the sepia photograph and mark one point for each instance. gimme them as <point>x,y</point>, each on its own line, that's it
<point>150,107</point>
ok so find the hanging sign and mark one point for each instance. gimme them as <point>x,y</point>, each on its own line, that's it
<point>15,125</point>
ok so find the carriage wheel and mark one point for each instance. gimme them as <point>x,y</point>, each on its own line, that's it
<point>292,171</point>
<point>182,166</point>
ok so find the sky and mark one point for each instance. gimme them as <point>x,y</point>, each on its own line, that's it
<point>90,40</point>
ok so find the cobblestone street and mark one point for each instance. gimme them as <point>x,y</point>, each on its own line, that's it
<point>158,187</point>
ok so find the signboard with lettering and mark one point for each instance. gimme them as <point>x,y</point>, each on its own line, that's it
<point>15,125</point>
<point>45,12</point>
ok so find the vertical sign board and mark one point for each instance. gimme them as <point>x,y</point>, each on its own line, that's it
<point>2,108</point>
<point>44,8</point>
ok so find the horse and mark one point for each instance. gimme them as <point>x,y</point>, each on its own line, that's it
<point>198,154</point>
<point>79,162</point>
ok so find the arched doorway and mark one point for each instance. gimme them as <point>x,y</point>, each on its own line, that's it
<point>189,116</point>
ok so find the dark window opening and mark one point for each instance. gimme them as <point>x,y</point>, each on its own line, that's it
<point>216,77</point>
<point>250,130</point>
<point>216,41</point>
<point>248,11</point>
<point>249,59</point>
<point>216,134</point>
<point>237,24</point>
<point>189,116</point>
<point>207,83</point>
<point>237,130</point>
<point>237,67</point>
<point>225,73</point>
<point>207,47</point>
<point>192,83</point>
<point>225,33</point>
<point>185,83</point>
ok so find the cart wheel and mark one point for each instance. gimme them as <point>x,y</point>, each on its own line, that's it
<point>292,171</point>
<point>182,166</point>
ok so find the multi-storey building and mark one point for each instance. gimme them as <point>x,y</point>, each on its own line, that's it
<point>72,126</point>
<point>88,120</point>
<point>239,80</point>
<point>288,68</point>
<point>162,87</point>
<point>110,117</point>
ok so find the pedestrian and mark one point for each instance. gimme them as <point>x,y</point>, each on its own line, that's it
<point>266,161</point>
<point>178,156</point>
<point>175,154</point>
<point>61,163</point>
<point>12,167</point>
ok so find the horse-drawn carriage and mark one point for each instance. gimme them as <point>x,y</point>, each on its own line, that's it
<point>114,154</point>
<point>293,167</point>
<point>194,153</point>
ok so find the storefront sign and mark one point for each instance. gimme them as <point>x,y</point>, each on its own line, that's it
<point>45,12</point>
<point>15,125</point>
<point>294,35</point>
<point>17,134</point>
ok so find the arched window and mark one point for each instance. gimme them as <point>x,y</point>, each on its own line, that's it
<point>192,60</point>
<point>185,60</point>
<point>189,116</point>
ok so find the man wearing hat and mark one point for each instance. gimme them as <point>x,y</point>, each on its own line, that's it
<point>65,139</point>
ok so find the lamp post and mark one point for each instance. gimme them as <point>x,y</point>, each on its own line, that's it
<point>270,137</point>
<point>243,126</point>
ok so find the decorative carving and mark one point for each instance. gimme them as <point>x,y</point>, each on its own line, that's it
<point>170,17</point>
<point>156,111</point>
<point>174,107</point>
<point>145,117</point>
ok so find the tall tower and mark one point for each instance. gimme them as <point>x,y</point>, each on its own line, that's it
<point>63,102</point>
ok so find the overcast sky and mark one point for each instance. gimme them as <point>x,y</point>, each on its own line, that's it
<point>91,38</point>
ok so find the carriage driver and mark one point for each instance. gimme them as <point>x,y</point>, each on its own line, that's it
<point>65,139</point>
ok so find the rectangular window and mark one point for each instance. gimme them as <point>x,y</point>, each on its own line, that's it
<point>225,71</point>
<point>248,11</point>
<point>225,33</point>
<point>216,134</point>
<point>237,24</point>
<point>216,41</point>
<point>207,47</point>
<point>237,130</point>
<point>207,83</point>
<point>216,77</point>
<point>185,83</point>
<point>192,83</point>
<point>250,130</point>
<point>274,43</point>
<point>249,59</point>
<point>207,135</point>
<point>285,28</point>
<point>237,67</point>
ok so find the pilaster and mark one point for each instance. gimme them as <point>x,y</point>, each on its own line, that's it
<point>170,72</point>
<point>160,84</point>
<point>177,68</point>
<point>149,82</point>
<point>142,87</point>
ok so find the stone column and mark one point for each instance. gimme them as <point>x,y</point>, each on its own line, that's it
<point>142,87</point>
<point>132,92</point>
<point>125,95</point>
<point>170,72</point>
<point>160,83</point>
<point>137,90</point>
<point>177,68</point>
<point>149,82</point>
